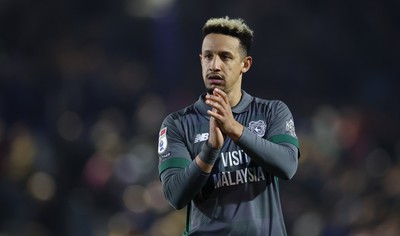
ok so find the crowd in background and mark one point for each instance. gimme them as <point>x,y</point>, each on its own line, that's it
<point>84,86</point>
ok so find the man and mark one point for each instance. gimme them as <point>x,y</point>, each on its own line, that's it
<point>221,157</point>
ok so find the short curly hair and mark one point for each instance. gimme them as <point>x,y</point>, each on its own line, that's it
<point>233,27</point>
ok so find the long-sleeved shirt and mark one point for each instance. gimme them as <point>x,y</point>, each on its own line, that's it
<point>241,194</point>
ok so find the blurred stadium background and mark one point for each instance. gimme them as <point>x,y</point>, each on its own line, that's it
<point>85,84</point>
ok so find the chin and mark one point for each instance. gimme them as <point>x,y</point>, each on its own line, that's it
<point>210,89</point>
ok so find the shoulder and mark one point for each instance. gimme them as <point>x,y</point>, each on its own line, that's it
<point>179,115</point>
<point>272,104</point>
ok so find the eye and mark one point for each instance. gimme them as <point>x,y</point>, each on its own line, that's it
<point>226,56</point>
<point>207,56</point>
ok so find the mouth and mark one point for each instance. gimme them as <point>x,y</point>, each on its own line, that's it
<point>215,79</point>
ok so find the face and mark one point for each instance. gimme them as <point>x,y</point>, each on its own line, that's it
<point>223,63</point>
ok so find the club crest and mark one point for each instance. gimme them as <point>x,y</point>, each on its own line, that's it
<point>162,141</point>
<point>258,127</point>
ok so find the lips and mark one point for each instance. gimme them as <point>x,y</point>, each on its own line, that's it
<point>215,78</point>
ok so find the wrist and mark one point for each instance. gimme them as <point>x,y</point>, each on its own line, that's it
<point>209,154</point>
<point>237,133</point>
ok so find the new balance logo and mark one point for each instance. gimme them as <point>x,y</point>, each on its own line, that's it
<point>201,137</point>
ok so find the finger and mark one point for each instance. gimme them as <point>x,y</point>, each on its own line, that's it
<point>215,115</point>
<point>215,105</point>
<point>221,94</point>
<point>215,98</point>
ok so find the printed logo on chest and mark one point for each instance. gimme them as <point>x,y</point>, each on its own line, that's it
<point>201,137</point>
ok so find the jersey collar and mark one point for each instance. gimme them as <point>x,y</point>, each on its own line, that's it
<point>242,106</point>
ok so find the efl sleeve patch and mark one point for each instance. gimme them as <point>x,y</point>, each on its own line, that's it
<point>162,141</point>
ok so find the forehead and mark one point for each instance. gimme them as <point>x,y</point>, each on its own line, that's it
<point>220,42</point>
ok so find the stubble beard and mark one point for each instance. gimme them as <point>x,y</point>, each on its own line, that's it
<point>210,90</point>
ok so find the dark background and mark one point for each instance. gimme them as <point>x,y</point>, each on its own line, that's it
<point>84,86</point>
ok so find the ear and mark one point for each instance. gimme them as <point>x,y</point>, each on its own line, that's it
<point>246,63</point>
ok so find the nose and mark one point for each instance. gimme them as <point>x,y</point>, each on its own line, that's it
<point>215,64</point>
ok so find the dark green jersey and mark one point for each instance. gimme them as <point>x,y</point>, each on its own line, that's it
<point>241,194</point>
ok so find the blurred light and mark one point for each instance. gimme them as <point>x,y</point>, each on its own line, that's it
<point>372,209</point>
<point>71,61</point>
<point>397,151</point>
<point>377,162</point>
<point>106,133</point>
<point>133,198</point>
<point>391,182</point>
<point>309,224</point>
<point>2,130</point>
<point>129,169</point>
<point>306,147</point>
<point>22,153</point>
<point>131,78</point>
<point>69,126</point>
<point>324,128</point>
<point>42,186</point>
<point>80,202</point>
<point>154,197</point>
<point>139,163</point>
<point>352,182</point>
<point>113,120</point>
<point>350,127</point>
<point>97,171</point>
<point>150,113</point>
<point>360,232</point>
<point>110,145</point>
<point>148,8</point>
<point>171,224</point>
<point>118,225</point>
<point>35,229</point>
<point>389,227</point>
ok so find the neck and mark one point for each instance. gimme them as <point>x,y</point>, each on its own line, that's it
<point>234,98</point>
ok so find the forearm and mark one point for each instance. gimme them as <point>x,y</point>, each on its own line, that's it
<point>280,160</point>
<point>182,185</point>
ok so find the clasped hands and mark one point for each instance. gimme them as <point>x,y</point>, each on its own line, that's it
<point>222,122</point>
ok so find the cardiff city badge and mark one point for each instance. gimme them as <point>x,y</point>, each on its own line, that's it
<point>162,141</point>
<point>258,127</point>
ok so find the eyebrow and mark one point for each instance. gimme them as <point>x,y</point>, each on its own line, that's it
<point>218,52</point>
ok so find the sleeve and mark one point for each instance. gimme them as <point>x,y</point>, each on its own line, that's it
<point>282,129</point>
<point>181,178</point>
<point>278,152</point>
<point>172,151</point>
